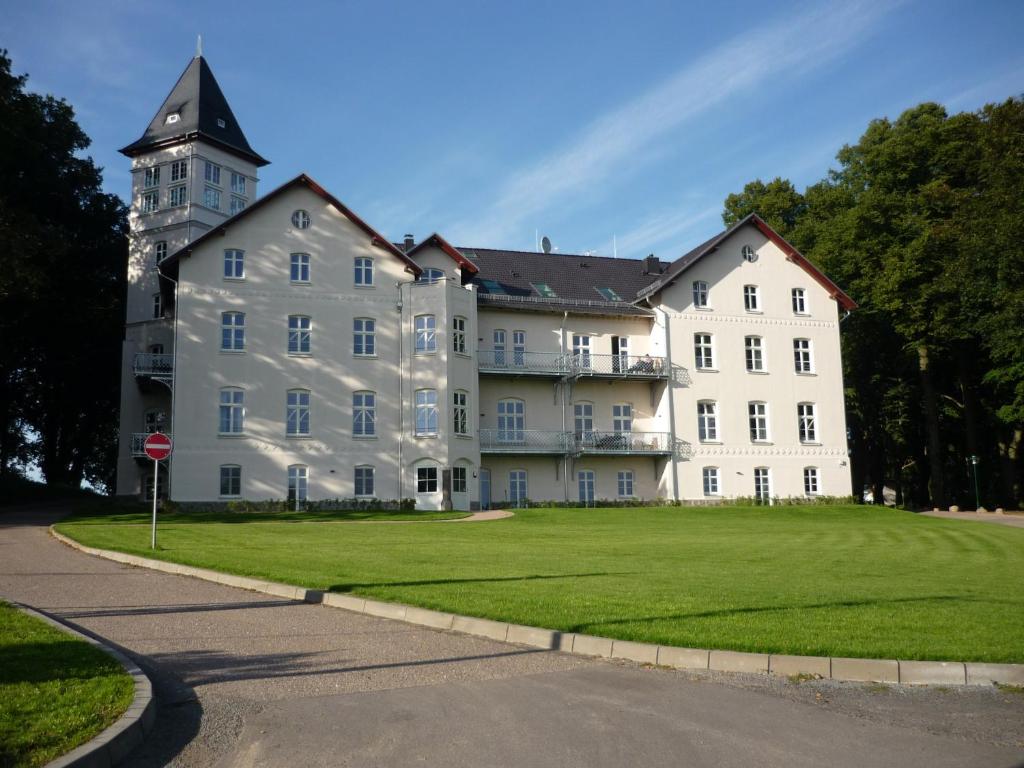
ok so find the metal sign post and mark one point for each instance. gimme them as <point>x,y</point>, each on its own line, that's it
<point>157,447</point>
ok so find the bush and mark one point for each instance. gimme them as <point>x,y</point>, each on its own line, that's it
<point>284,505</point>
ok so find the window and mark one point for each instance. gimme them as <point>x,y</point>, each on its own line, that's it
<point>212,173</point>
<point>710,476</point>
<point>426,480</point>
<point>518,348</point>
<point>230,480</point>
<point>364,272</point>
<point>298,483</point>
<point>298,334</point>
<point>758,417</point>
<point>297,421</point>
<point>762,484</point>
<point>751,298</point>
<point>301,220</point>
<point>585,480</point>
<point>364,480</point>
<point>581,351</point>
<point>702,351</point>
<point>221,123</point>
<point>211,198</point>
<point>237,183</point>
<point>426,412</point>
<point>460,413</point>
<point>459,484</point>
<point>610,294</point>
<point>626,484</point>
<point>150,202</point>
<point>517,490</point>
<point>364,337</point>
<point>172,118</point>
<point>459,335</point>
<point>426,337</point>
<point>620,354</point>
<point>158,306</point>
<point>544,290</point>
<point>811,481</point>
<point>755,353</point>
<point>802,355</point>
<point>300,268</point>
<point>430,276</point>
<point>177,196</point>
<point>583,421</point>
<point>799,301</point>
<point>232,411</point>
<point>748,253</point>
<point>160,249</point>
<point>499,347</point>
<point>234,264</point>
<point>707,420</point>
<point>511,421</point>
<point>364,414</point>
<point>700,294</point>
<point>492,286</point>
<point>237,205</point>
<point>622,417</point>
<point>232,331</point>
<point>179,170</point>
<point>806,422</point>
<point>152,177</point>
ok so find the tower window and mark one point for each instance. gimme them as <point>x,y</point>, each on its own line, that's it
<point>213,173</point>
<point>150,202</point>
<point>179,170</point>
<point>172,118</point>
<point>221,123</point>
<point>300,219</point>
<point>178,195</point>
<point>152,177</point>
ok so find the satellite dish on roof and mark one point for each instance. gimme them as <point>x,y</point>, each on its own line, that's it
<point>545,244</point>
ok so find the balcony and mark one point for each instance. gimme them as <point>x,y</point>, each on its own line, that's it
<point>150,365</point>
<point>525,441</point>
<point>617,366</point>
<point>623,443</point>
<point>521,363</point>
<point>138,441</point>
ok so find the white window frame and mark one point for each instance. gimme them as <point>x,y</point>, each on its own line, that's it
<point>301,219</point>
<point>751,298</point>
<point>364,413</point>
<point>233,476</point>
<point>300,270</point>
<point>624,482</point>
<point>151,177</point>
<point>807,422</point>
<point>211,173</point>
<point>704,351</point>
<point>799,299</point>
<point>364,337</point>
<point>232,331</point>
<point>622,418</point>
<point>426,421</point>
<point>763,484</point>
<point>581,351</point>
<point>586,486</point>
<point>425,334</point>
<point>177,196</point>
<point>757,421</point>
<point>179,170</point>
<point>160,250</point>
<point>158,306</point>
<point>238,183</point>
<point>459,335</point>
<point>753,350</point>
<point>298,413</point>
<point>234,264</point>
<point>150,201</point>
<point>511,413</point>
<point>298,483</point>
<point>519,348</point>
<point>711,481</point>
<point>583,420</point>
<point>300,334</point>
<point>812,485</point>
<point>707,421</point>
<point>518,486</point>
<point>460,412</point>
<point>430,275</point>
<point>460,480</point>
<point>803,356</point>
<point>701,294</point>
<point>231,411</point>
<point>368,478</point>
<point>425,478</point>
<point>237,205</point>
<point>363,272</point>
<point>499,346</point>
<point>211,198</point>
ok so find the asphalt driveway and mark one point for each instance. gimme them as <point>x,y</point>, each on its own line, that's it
<point>245,679</point>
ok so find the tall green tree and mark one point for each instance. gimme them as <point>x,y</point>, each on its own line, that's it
<point>63,248</point>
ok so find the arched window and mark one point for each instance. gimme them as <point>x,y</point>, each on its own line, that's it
<point>299,332</point>
<point>231,419</point>
<point>707,420</point>
<point>364,477</point>
<point>232,331</point>
<point>364,414</point>
<point>297,413</point>
<point>298,484</point>
<point>511,420</point>
<point>430,275</point>
<point>460,412</point>
<point>754,348</point>
<point>426,411</point>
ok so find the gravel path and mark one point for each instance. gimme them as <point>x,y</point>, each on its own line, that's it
<point>249,680</point>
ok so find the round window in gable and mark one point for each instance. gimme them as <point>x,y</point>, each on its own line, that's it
<point>749,254</point>
<point>300,219</point>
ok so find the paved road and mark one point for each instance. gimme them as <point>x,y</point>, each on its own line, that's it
<point>249,680</point>
<point>1015,520</point>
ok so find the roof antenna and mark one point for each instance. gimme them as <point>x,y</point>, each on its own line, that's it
<point>199,46</point>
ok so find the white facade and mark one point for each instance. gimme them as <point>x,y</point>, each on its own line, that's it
<point>295,372</point>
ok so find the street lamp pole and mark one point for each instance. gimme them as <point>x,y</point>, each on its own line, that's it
<point>974,467</point>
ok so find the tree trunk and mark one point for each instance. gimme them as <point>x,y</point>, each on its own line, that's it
<point>937,482</point>
<point>1009,453</point>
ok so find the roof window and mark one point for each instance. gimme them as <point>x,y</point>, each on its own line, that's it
<point>493,286</point>
<point>609,294</point>
<point>545,290</point>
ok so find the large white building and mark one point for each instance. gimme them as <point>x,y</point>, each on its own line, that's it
<point>292,350</point>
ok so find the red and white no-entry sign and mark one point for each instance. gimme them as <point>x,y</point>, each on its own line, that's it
<point>157,446</point>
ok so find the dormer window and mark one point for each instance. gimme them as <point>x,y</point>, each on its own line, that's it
<point>221,123</point>
<point>609,294</point>
<point>173,117</point>
<point>545,290</point>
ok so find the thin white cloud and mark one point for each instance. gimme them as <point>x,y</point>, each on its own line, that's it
<point>663,228</point>
<point>617,137</point>
<point>998,88</point>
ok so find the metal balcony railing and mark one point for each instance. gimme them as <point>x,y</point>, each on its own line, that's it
<point>518,362</point>
<point>153,365</point>
<point>624,366</point>
<point>138,441</point>
<point>524,441</point>
<point>619,443</point>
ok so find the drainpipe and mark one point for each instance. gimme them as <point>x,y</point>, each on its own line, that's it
<point>174,372</point>
<point>564,384</point>
<point>401,389</point>
<point>671,405</point>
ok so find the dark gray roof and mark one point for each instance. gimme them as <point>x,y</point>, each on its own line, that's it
<point>574,278</point>
<point>199,101</point>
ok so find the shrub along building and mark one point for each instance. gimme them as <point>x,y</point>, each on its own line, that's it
<point>293,351</point>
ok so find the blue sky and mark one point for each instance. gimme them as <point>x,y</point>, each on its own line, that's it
<point>594,123</point>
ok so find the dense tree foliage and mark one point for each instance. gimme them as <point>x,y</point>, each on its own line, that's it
<point>923,224</point>
<point>63,250</point>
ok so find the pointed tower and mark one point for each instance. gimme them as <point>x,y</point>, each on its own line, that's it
<point>192,168</point>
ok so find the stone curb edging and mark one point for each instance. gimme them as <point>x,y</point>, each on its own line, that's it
<point>112,744</point>
<point>782,665</point>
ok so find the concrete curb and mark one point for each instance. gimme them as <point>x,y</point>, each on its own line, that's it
<point>841,669</point>
<point>112,745</point>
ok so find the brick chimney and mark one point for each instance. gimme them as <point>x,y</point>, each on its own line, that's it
<point>410,241</point>
<point>651,265</point>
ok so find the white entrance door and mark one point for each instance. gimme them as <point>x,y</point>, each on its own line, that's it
<point>585,478</point>
<point>517,487</point>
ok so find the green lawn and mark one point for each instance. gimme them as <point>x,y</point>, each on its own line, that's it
<point>843,581</point>
<point>56,692</point>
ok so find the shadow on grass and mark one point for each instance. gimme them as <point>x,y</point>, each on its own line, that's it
<point>478,580</point>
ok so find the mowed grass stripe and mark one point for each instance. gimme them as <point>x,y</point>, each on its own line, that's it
<point>842,581</point>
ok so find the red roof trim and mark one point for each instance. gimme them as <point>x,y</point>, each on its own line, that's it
<point>376,238</point>
<point>450,250</point>
<point>793,254</point>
